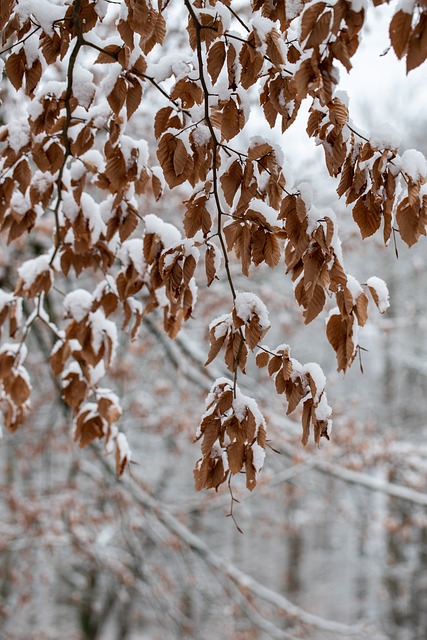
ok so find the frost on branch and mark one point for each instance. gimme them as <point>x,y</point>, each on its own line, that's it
<point>127,166</point>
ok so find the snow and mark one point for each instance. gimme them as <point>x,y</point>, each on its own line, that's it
<point>101,8</point>
<point>384,136</point>
<point>77,170</point>
<point>168,233</point>
<point>317,375</point>
<point>241,405</point>
<point>358,5</point>
<point>323,410</point>
<point>293,9</point>
<point>69,206</point>
<point>32,52</point>
<point>381,290</point>
<point>78,304</point>
<point>201,135</point>
<point>18,133</point>
<point>258,456</point>
<point>354,287</point>
<point>171,64</point>
<point>109,82</point>
<point>414,164</point>
<point>306,191</point>
<point>407,6</point>
<point>42,181</point>
<point>5,299</point>
<point>222,325</point>
<point>19,203</point>
<point>247,304</point>
<point>91,211</point>
<point>102,328</point>
<point>96,373</point>
<point>192,286</point>
<point>128,146</point>
<point>262,25</point>
<point>44,13</point>
<point>95,158</point>
<point>132,252</point>
<point>123,447</point>
<point>100,114</point>
<point>18,349</point>
<point>83,85</point>
<point>30,269</point>
<point>265,210</point>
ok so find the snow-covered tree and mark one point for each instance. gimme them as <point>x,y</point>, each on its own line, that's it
<point>149,204</point>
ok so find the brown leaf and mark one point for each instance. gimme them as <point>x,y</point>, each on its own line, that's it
<point>417,46</point>
<point>366,213</point>
<point>133,99</point>
<point>320,30</point>
<point>117,96</point>
<point>188,92</point>
<point>88,428</point>
<point>408,222</point>
<point>197,216</point>
<point>274,365</point>
<point>215,345</point>
<point>15,68</point>
<point>361,309</point>
<point>232,120</point>
<point>250,469</point>
<point>272,253</point>
<point>316,304</point>
<point>115,169</point>
<point>210,429</point>
<point>165,118</point>
<point>274,51</point>
<point>210,264</point>
<point>17,387</point>
<point>216,59</point>
<point>262,359</point>
<point>231,181</point>
<point>309,18</point>
<point>108,54</point>
<point>166,154</point>
<point>251,62</point>
<point>236,456</point>
<point>306,420</point>
<point>400,30</point>
<point>32,77</point>
<point>339,333</point>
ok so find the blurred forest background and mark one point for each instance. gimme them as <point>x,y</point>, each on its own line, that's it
<point>334,541</point>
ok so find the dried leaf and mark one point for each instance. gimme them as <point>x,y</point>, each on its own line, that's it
<point>400,30</point>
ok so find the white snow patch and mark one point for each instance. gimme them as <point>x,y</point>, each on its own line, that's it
<point>265,210</point>
<point>132,252</point>
<point>258,456</point>
<point>83,86</point>
<point>168,233</point>
<point>414,164</point>
<point>384,136</point>
<point>78,304</point>
<point>18,133</point>
<point>354,287</point>
<point>247,304</point>
<point>380,288</point>
<point>318,377</point>
<point>30,269</point>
